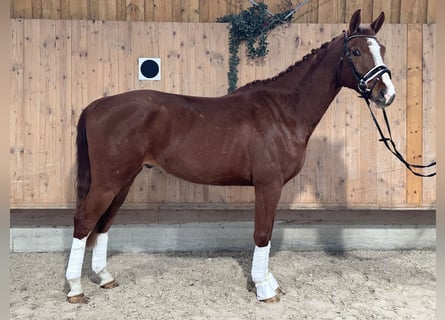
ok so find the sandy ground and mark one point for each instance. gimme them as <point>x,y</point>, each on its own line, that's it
<point>353,285</point>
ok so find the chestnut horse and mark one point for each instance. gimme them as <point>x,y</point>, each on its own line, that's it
<point>255,136</point>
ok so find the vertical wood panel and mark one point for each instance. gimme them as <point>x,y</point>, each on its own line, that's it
<point>73,9</point>
<point>431,12</point>
<point>429,109</point>
<point>413,11</point>
<point>79,89</point>
<point>21,9</point>
<point>17,115</point>
<point>337,140</point>
<point>414,110</point>
<point>62,111</point>
<point>46,147</point>
<point>135,10</point>
<point>397,44</point>
<point>31,110</point>
<point>332,11</point>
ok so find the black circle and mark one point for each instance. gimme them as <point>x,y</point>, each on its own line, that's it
<point>149,69</point>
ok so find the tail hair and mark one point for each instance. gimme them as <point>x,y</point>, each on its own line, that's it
<point>83,180</point>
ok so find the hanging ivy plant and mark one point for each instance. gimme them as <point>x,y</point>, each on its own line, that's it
<point>252,26</point>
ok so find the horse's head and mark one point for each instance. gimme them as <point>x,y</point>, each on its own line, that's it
<point>362,67</point>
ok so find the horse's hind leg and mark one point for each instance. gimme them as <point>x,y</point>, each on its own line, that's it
<point>99,259</point>
<point>266,200</point>
<point>85,219</point>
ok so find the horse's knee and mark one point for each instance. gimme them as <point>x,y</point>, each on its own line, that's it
<point>261,238</point>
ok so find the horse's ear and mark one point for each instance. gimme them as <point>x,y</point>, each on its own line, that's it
<point>377,24</point>
<point>355,21</point>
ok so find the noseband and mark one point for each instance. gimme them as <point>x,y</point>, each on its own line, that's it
<point>363,80</point>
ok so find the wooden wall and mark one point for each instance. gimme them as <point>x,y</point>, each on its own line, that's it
<point>316,11</point>
<point>59,66</point>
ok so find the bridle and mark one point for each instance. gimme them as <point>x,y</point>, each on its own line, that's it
<point>365,91</point>
<point>363,80</point>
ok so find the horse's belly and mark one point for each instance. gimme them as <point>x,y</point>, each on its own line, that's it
<point>205,168</point>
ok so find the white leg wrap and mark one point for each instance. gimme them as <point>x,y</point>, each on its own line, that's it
<point>105,277</point>
<point>74,269</point>
<point>99,260</point>
<point>265,282</point>
<point>75,287</point>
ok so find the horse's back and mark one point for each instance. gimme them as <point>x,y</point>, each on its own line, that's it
<point>203,140</point>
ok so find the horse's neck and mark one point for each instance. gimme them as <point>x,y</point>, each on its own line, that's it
<point>312,85</point>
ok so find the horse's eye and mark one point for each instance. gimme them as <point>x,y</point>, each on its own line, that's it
<point>355,52</point>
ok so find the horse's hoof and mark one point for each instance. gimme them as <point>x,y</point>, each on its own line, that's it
<point>81,298</point>
<point>279,291</point>
<point>274,299</point>
<point>110,285</point>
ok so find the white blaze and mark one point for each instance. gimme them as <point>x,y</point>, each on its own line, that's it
<point>374,48</point>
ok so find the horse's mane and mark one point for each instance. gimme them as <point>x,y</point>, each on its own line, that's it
<point>289,69</point>
<point>362,30</point>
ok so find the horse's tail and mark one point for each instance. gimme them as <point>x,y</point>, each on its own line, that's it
<point>83,169</point>
<point>83,180</point>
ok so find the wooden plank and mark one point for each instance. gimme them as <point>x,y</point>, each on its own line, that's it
<point>62,150</point>
<point>50,9</point>
<point>21,9</point>
<point>31,110</point>
<point>163,10</point>
<point>331,11</point>
<point>382,5</point>
<point>149,10</point>
<point>337,141</point>
<point>79,92</point>
<point>217,9</point>
<point>414,111</point>
<point>413,11</point>
<point>190,11</point>
<point>17,114</point>
<point>135,10</point>
<point>397,45</point>
<point>431,12</point>
<point>73,9</point>
<point>307,14</point>
<point>22,218</point>
<point>108,10</point>
<point>110,58</point>
<point>429,109</point>
<point>46,160</point>
<point>204,7</point>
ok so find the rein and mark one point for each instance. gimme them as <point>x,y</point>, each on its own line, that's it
<point>365,92</point>
<point>391,146</point>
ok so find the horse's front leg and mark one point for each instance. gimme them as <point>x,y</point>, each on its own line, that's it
<point>266,200</point>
